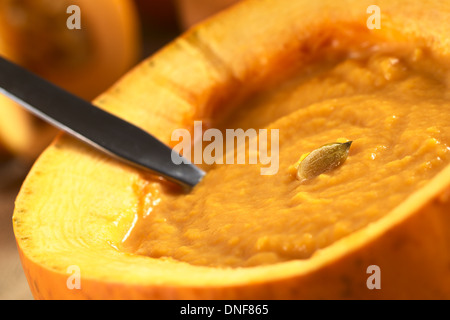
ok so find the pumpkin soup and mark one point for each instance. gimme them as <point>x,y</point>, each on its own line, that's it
<point>393,105</point>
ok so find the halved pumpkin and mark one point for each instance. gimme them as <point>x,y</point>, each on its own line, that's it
<point>77,206</point>
<point>84,61</point>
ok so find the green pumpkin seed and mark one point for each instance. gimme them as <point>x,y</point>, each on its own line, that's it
<point>323,159</point>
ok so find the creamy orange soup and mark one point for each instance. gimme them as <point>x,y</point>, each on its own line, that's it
<point>395,107</point>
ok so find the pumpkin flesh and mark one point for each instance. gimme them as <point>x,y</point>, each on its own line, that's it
<point>390,107</point>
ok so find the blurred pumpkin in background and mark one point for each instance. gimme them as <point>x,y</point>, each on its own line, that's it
<point>194,11</point>
<point>85,61</point>
<point>159,23</point>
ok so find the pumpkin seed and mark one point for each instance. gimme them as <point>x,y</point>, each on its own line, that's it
<point>323,159</point>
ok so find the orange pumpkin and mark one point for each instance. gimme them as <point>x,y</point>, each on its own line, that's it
<point>76,205</point>
<point>193,11</point>
<point>85,61</point>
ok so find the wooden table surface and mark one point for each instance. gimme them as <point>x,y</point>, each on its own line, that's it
<point>13,284</point>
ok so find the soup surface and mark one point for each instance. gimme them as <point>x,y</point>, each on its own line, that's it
<point>394,106</point>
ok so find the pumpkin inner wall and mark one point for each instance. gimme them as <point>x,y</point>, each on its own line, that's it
<point>393,105</point>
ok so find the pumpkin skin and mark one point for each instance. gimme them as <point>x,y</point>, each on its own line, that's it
<point>84,62</point>
<point>76,205</point>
